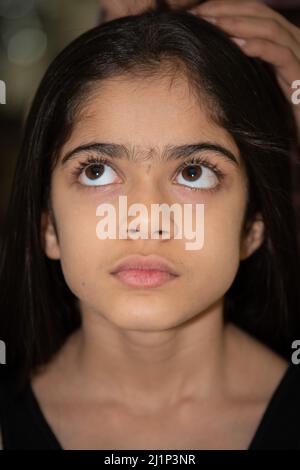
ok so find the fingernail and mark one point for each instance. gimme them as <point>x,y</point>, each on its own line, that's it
<point>211,19</point>
<point>239,41</point>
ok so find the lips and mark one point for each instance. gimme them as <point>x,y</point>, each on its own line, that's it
<point>141,271</point>
<point>146,263</point>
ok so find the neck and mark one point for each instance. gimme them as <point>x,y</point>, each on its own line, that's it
<point>154,367</point>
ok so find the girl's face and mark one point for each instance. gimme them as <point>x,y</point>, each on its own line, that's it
<point>147,117</point>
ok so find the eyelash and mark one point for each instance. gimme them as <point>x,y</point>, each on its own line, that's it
<point>91,160</point>
<point>198,161</point>
<point>193,161</point>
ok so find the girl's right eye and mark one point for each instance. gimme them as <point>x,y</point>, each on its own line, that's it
<point>96,174</point>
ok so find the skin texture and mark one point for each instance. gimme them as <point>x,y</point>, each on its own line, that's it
<point>129,114</point>
<point>116,8</point>
<point>256,28</point>
<point>160,356</point>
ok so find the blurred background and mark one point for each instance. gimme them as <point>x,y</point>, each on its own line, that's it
<point>32,32</point>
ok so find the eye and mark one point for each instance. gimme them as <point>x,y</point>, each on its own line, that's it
<point>198,176</point>
<point>97,174</point>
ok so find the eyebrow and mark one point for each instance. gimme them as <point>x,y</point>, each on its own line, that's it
<point>118,151</point>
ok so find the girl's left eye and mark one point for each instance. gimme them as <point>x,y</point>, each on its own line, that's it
<point>97,174</point>
<point>198,176</point>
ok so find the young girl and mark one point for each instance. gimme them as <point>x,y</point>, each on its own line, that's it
<point>139,343</point>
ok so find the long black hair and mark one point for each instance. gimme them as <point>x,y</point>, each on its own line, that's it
<point>38,310</point>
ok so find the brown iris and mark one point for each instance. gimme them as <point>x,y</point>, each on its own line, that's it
<point>93,171</point>
<point>192,173</point>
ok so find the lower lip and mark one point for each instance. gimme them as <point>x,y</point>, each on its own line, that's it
<point>144,278</point>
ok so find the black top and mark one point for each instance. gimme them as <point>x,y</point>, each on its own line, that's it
<point>24,426</point>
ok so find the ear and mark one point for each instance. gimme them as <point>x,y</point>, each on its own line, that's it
<point>253,237</point>
<point>49,236</point>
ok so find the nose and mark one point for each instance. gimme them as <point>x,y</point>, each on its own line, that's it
<point>148,213</point>
<point>142,231</point>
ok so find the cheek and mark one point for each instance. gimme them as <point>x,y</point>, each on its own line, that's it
<point>213,268</point>
<point>79,246</point>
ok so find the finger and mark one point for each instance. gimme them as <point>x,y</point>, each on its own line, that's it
<point>288,92</point>
<point>182,3</point>
<point>282,58</point>
<point>286,88</point>
<point>260,28</point>
<point>245,7</point>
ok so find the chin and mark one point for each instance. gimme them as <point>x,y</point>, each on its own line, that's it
<point>144,317</point>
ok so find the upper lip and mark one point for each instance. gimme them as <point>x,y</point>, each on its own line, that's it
<point>150,262</point>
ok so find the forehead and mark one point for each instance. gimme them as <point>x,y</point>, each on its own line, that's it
<point>148,113</point>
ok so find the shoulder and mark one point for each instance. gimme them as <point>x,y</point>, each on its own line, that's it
<point>9,396</point>
<point>21,426</point>
<point>260,374</point>
<point>256,368</point>
<point>6,388</point>
<point>280,425</point>
<point>5,394</point>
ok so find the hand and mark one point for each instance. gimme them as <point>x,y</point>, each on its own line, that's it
<point>264,33</point>
<point>117,8</point>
